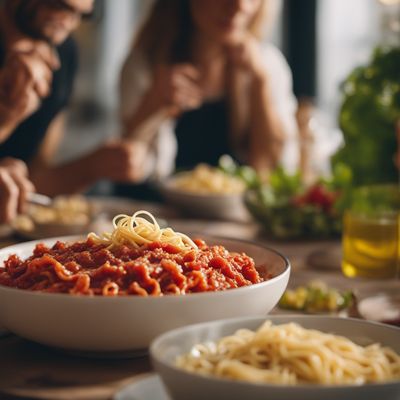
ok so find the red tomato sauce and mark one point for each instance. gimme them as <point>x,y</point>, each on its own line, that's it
<point>156,269</point>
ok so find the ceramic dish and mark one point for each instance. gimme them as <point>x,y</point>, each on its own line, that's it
<point>184,385</point>
<point>129,323</point>
<point>210,206</point>
<point>284,221</point>
<point>380,302</point>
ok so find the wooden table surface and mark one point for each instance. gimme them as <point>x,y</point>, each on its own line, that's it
<point>32,371</point>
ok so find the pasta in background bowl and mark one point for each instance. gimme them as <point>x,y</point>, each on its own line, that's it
<point>206,192</point>
<point>182,384</point>
<point>67,215</point>
<point>205,179</point>
<point>108,322</point>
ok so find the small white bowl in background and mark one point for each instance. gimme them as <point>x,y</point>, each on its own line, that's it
<point>204,205</point>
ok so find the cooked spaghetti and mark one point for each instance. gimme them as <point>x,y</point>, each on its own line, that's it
<point>64,211</point>
<point>289,354</point>
<point>138,258</point>
<point>136,231</point>
<point>205,179</point>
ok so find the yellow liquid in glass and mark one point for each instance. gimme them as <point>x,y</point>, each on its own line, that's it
<point>371,247</point>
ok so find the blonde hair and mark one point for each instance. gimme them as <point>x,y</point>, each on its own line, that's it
<point>165,35</point>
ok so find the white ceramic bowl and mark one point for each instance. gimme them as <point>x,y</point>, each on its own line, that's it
<point>130,322</point>
<point>184,385</point>
<point>218,206</point>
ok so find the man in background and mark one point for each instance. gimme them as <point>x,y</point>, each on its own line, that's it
<point>38,64</point>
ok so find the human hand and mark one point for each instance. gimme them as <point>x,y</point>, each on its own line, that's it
<point>25,78</point>
<point>14,188</point>
<point>119,161</point>
<point>246,54</point>
<point>177,87</point>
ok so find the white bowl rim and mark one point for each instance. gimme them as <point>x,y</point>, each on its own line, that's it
<point>164,336</point>
<point>171,298</point>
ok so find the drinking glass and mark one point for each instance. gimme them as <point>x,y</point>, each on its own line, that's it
<point>371,233</point>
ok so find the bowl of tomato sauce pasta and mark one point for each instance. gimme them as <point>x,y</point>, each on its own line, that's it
<point>119,290</point>
<point>280,358</point>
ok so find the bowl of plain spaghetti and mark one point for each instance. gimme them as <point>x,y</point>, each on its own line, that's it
<point>280,358</point>
<point>206,192</point>
<point>118,290</point>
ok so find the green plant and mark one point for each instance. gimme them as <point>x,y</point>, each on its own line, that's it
<point>369,111</point>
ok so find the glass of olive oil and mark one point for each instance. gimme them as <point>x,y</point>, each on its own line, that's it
<point>371,233</point>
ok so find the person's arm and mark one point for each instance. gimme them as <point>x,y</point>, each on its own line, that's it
<point>48,178</point>
<point>14,188</point>
<point>8,122</point>
<point>118,161</point>
<point>267,135</point>
<point>147,118</point>
<point>266,132</point>
<point>173,89</point>
<point>25,78</point>
<point>149,102</point>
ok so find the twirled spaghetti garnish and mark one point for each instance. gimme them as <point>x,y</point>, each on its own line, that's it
<point>136,231</point>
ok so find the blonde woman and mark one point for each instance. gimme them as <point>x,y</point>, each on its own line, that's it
<point>199,83</point>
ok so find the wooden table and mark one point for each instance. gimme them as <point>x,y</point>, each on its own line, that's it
<point>32,371</point>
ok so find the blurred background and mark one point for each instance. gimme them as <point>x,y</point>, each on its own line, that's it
<point>322,41</point>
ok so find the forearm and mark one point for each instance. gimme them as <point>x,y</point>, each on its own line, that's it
<point>146,120</point>
<point>267,134</point>
<point>72,177</point>
<point>118,161</point>
<point>8,123</point>
<point>6,129</point>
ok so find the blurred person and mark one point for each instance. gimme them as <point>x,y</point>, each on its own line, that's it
<point>199,83</point>
<point>38,63</point>
<point>14,188</point>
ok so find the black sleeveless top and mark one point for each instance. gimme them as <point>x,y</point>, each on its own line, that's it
<point>202,135</point>
<point>26,139</point>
